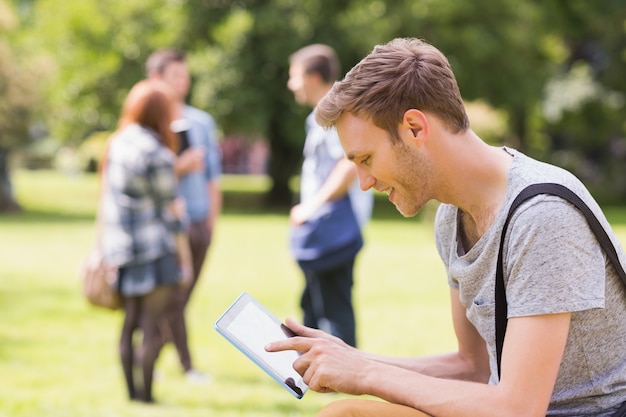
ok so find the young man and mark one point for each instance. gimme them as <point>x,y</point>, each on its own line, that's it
<point>199,169</point>
<point>401,120</point>
<point>326,176</point>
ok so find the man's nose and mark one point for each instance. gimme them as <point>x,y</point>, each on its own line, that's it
<point>366,180</point>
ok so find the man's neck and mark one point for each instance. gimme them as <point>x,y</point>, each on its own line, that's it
<point>475,179</point>
<point>319,95</point>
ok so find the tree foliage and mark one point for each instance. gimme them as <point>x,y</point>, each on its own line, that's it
<point>17,100</point>
<point>586,95</point>
<point>94,52</point>
<point>17,95</point>
<point>553,68</point>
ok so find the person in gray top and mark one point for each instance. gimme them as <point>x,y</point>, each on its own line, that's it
<point>401,120</point>
<point>327,176</point>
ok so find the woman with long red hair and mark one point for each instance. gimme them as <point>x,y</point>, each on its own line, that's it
<point>141,220</point>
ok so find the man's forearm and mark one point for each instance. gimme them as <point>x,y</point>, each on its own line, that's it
<point>215,195</point>
<point>449,366</point>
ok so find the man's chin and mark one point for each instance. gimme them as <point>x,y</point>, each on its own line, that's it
<point>404,211</point>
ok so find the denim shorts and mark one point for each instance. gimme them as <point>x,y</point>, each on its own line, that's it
<point>137,280</point>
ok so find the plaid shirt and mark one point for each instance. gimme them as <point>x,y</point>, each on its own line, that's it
<point>139,185</point>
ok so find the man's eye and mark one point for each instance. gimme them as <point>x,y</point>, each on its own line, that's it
<point>366,160</point>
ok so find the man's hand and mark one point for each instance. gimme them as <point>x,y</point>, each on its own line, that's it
<point>178,208</point>
<point>184,259</point>
<point>326,363</point>
<point>190,160</point>
<point>300,214</point>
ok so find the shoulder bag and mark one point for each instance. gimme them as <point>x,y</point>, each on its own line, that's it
<point>99,278</point>
<point>329,240</point>
<point>501,311</point>
<point>99,281</point>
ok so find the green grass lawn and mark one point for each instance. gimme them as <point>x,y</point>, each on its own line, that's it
<point>58,355</point>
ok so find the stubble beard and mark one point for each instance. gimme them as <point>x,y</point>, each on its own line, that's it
<point>413,179</point>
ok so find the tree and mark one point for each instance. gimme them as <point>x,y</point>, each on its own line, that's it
<point>492,45</point>
<point>241,64</point>
<point>239,57</point>
<point>93,62</point>
<point>507,53</point>
<point>586,96</point>
<point>17,99</point>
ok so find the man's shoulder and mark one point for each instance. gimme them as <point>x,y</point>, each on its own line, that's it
<point>197,115</point>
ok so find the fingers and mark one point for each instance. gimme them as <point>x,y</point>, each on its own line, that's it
<point>296,327</point>
<point>294,216</point>
<point>192,159</point>
<point>314,370</point>
<point>315,355</point>
<point>301,330</point>
<point>305,331</point>
<point>305,338</point>
<point>297,343</point>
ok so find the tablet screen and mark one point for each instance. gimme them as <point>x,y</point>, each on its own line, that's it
<point>249,326</point>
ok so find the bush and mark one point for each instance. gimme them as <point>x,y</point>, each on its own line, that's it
<point>92,149</point>
<point>38,155</point>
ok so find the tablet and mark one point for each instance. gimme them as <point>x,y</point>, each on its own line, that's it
<point>249,327</point>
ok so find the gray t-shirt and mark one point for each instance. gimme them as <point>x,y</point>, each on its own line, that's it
<point>552,263</point>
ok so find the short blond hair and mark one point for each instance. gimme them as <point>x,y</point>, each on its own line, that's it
<point>406,73</point>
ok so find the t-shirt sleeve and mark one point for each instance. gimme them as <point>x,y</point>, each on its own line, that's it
<point>553,262</point>
<point>335,150</point>
<point>214,153</point>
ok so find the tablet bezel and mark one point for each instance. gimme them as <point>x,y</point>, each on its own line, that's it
<point>231,314</point>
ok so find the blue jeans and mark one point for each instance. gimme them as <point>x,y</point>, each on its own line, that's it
<point>327,301</point>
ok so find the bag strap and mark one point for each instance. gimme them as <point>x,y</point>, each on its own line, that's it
<point>102,189</point>
<point>501,311</point>
<point>621,412</point>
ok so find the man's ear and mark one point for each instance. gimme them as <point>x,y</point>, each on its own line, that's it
<point>415,123</point>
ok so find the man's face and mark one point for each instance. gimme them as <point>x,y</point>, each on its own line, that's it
<point>300,83</point>
<point>399,170</point>
<point>176,74</point>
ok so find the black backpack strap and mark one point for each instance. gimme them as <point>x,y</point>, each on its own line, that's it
<point>501,311</point>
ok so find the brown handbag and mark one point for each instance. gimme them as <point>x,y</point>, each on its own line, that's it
<point>99,278</point>
<point>100,281</point>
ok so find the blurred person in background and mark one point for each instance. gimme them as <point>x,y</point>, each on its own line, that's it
<point>199,169</point>
<point>327,176</point>
<point>142,222</point>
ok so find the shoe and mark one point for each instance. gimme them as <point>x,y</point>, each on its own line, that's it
<point>196,377</point>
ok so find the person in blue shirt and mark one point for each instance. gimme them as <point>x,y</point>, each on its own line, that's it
<point>199,169</point>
